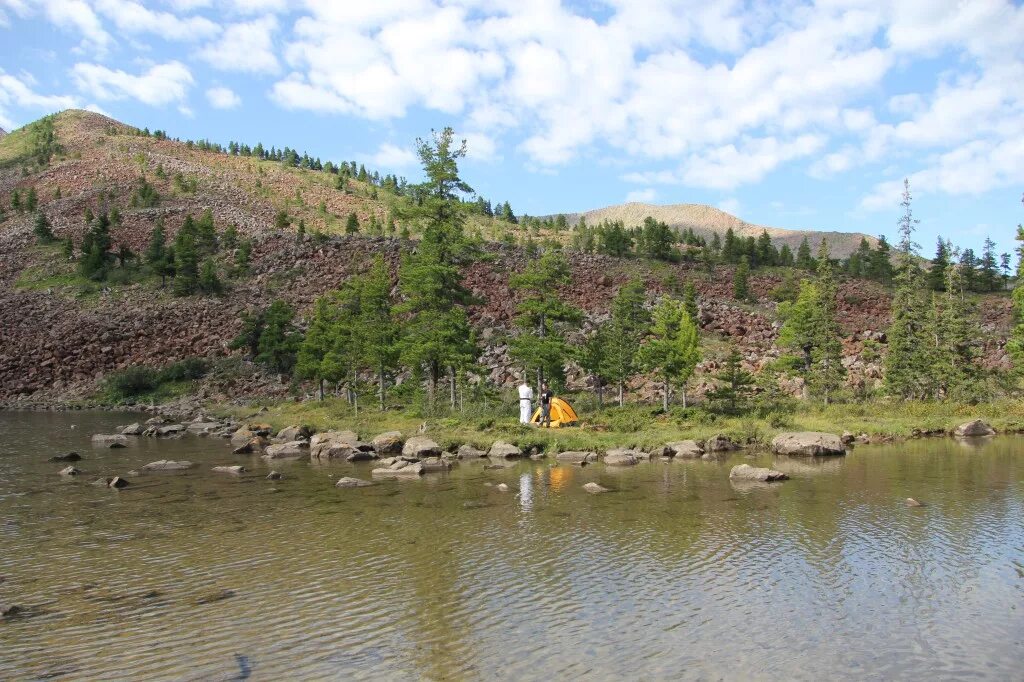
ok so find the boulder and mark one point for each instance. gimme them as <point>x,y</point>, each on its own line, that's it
<point>254,444</point>
<point>292,450</point>
<point>974,429</point>
<point>684,449</point>
<point>400,469</point>
<point>236,469</point>
<point>576,457</point>
<point>502,450</point>
<point>69,471</point>
<point>911,502</point>
<point>720,443</point>
<point>203,427</point>
<point>242,436</point>
<point>167,465</point>
<point>594,488</point>
<point>847,438</point>
<point>349,482</point>
<point>469,452</point>
<point>290,433</point>
<point>808,444</point>
<point>69,457</point>
<point>502,487</point>
<point>352,452</point>
<point>275,476</point>
<point>621,457</point>
<point>333,437</point>
<point>434,464</point>
<point>105,439</point>
<point>117,483</point>
<point>135,429</point>
<point>745,472</point>
<point>389,443</point>
<point>170,430</point>
<point>421,446</point>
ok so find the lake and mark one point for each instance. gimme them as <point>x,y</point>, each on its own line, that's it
<point>676,573</point>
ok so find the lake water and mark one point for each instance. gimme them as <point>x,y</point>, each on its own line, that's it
<point>676,574</point>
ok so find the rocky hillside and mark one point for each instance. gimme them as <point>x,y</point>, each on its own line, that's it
<point>62,334</point>
<point>706,220</point>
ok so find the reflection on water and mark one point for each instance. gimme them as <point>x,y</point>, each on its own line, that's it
<point>675,574</point>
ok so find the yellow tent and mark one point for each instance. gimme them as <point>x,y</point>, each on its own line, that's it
<point>562,414</point>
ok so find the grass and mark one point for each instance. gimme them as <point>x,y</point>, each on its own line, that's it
<point>636,425</point>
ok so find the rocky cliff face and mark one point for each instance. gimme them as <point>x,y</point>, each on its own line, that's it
<point>57,342</point>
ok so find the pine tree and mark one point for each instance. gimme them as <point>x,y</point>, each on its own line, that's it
<point>31,200</point>
<point>953,354</point>
<point>690,301</point>
<point>592,357</point>
<point>785,256</point>
<point>629,325</point>
<point>229,240</point>
<point>67,247</point>
<point>879,267</point>
<point>352,224</point>
<point>740,281</point>
<point>206,234</point>
<point>767,254</point>
<point>674,348</point>
<point>16,201</point>
<point>803,256</point>
<point>242,256</point>
<point>828,377</point>
<point>186,260</point>
<point>95,260</point>
<point>279,340</point>
<point>989,267</point>
<point>156,255</point>
<point>541,347</point>
<point>735,384</point>
<point>322,355</point>
<point>380,333</point>
<point>937,272</point>
<point>208,281</point>
<point>907,362</point>
<point>41,229</point>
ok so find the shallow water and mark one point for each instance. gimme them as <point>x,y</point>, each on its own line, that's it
<point>675,574</point>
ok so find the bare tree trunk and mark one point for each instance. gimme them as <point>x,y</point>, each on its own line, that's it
<point>621,390</point>
<point>451,377</point>
<point>321,390</point>
<point>664,403</point>
<point>435,371</point>
<point>380,386</point>
<point>682,391</point>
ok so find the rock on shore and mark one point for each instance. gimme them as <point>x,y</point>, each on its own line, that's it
<point>808,444</point>
<point>974,429</point>
<point>684,449</point>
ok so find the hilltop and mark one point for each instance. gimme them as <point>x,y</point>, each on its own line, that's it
<point>706,220</point>
<point>64,333</point>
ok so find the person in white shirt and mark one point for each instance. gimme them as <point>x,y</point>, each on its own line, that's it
<point>525,403</point>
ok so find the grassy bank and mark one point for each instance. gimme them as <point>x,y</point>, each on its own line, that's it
<point>636,425</point>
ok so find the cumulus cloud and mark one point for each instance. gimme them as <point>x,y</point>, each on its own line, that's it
<point>730,205</point>
<point>389,156</point>
<point>223,98</point>
<point>643,196</point>
<point>133,17</point>
<point>246,46</point>
<point>159,85</point>
<point>19,92</point>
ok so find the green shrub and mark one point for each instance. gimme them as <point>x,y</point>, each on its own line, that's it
<point>188,369</point>
<point>131,382</point>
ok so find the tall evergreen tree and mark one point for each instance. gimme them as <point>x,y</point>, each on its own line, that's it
<point>937,272</point>
<point>907,362</point>
<point>593,358</point>
<point>674,348</point>
<point>280,339</point>
<point>803,256</point>
<point>379,330</point>
<point>41,229</point>
<point>690,301</point>
<point>735,384</point>
<point>541,347</point>
<point>186,260</point>
<point>629,324</point>
<point>989,267</point>
<point>740,281</point>
<point>828,377</point>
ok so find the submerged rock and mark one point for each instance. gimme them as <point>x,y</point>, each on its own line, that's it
<point>974,429</point>
<point>576,457</point>
<point>684,449</point>
<point>236,469</point>
<point>254,444</point>
<point>594,488</point>
<point>292,450</point>
<point>911,502</point>
<point>215,596</point>
<point>349,482</point>
<point>167,465</point>
<point>275,476</point>
<point>621,457</point>
<point>400,469</point>
<point>117,483</point>
<point>108,438</point>
<point>135,429</point>
<point>745,472</point>
<point>808,444</point>
<point>434,464</point>
<point>69,457</point>
<point>502,487</point>
<point>69,471</point>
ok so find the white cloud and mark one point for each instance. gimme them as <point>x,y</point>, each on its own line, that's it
<point>159,85</point>
<point>643,196</point>
<point>18,92</point>
<point>730,205</point>
<point>132,17</point>
<point>77,15</point>
<point>244,47</point>
<point>389,156</point>
<point>223,98</point>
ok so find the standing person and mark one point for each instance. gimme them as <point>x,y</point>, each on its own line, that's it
<point>525,402</point>
<point>545,404</point>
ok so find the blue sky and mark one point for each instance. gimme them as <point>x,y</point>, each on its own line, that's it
<point>792,114</point>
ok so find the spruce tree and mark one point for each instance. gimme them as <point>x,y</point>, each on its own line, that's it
<point>740,281</point>
<point>41,229</point>
<point>735,384</point>
<point>629,325</point>
<point>803,256</point>
<point>186,260</point>
<point>352,224</point>
<point>380,332</point>
<point>206,234</point>
<point>280,339</point>
<point>674,348</point>
<point>690,301</point>
<point>208,281</point>
<point>541,347</point>
<point>937,272</point>
<point>829,372</point>
<point>325,353</point>
<point>907,363</point>
<point>989,267</point>
<point>31,200</point>
<point>592,357</point>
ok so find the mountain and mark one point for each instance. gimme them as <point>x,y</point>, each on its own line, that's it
<point>706,220</point>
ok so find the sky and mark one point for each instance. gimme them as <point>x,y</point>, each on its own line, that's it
<point>806,115</point>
